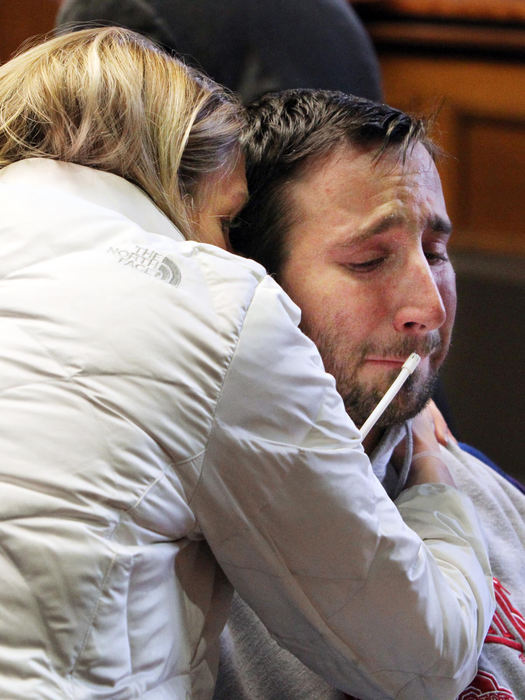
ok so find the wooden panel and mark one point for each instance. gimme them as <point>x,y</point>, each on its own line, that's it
<point>23,19</point>
<point>491,171</point>
<point>501,10</point>
<point>481,124</point>
<point>496,39</point>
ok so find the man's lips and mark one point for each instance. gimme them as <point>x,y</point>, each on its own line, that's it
<point>392,363</point>
<point>386,361</point>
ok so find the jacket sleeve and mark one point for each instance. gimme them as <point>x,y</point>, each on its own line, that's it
<point>290,507</point>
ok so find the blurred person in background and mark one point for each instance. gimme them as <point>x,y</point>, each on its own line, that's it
<point>250,46</point>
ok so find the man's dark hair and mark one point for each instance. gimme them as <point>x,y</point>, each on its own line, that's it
<point>285,132</point>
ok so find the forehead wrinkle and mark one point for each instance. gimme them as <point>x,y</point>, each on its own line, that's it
<point>376,228</point>
<point>401,202</point>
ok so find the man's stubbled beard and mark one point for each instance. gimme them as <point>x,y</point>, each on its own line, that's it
<point>360,399</point>
<point>412,398</point>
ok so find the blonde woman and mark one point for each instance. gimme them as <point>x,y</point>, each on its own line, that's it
<point>165,421</point>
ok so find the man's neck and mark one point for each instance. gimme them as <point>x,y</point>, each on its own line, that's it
<point>372,439</point>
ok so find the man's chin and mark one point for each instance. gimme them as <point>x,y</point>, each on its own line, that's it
<point>411,399</point>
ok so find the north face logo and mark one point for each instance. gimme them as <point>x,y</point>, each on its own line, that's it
<point>150,262</point>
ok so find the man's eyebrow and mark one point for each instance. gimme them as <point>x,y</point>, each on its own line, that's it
<point>374,229</point>
<point>436,224</point>
<point>439,225</point>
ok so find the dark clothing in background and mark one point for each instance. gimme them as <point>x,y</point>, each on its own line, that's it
<point>252,46</point>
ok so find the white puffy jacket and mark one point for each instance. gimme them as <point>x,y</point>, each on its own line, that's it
<point>162,415</point>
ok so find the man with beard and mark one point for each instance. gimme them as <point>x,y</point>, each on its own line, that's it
<point>347,212</point>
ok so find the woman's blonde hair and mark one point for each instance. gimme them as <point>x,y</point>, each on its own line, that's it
<point>110,99</point>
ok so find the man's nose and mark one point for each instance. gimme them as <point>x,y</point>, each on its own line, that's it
<point>420,307</point>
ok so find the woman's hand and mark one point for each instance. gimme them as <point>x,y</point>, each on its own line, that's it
<point>441,429</point>
<point>429,430</point>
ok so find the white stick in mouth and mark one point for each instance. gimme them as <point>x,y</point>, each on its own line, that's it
<point>408,367</point>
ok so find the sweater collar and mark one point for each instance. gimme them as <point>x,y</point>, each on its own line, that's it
<point>392,480</point>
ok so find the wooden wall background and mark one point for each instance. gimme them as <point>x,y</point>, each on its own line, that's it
<point>23,19</point>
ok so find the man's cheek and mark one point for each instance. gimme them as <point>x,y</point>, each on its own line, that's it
<point>447,289</point>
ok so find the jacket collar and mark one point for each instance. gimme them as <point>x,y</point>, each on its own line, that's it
<point>94,186</point>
